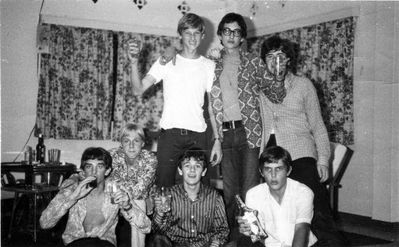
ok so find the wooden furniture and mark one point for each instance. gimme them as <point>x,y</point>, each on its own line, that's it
<point>339,161</point>
<point>52,176</point>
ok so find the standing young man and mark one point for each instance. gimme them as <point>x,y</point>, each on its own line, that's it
<point>92,216</point>
<point>234,98</point>
<point>294,121</point>
<point>196,217</point>
<point>184,86</point>
<point>285,206</point>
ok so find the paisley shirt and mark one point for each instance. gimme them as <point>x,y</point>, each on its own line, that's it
<point>62,203</point>
<point>252,75</point>
<point>139,178</point>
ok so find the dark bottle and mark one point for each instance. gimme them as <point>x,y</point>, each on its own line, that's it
<point>40,150</point>
<point>251,215</point>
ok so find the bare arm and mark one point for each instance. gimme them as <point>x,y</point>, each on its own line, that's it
<point>217,145</point>
<point>301,235</point>
<point>139,86</point>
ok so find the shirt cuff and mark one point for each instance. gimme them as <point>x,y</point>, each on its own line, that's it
<point>323,161</point>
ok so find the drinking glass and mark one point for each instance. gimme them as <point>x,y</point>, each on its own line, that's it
<point>112,189</point>
<point>166,199</point>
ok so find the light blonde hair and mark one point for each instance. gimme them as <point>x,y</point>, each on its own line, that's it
<point>132,127</point>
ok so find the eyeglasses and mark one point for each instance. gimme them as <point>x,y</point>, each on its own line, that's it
<point>236,32</point>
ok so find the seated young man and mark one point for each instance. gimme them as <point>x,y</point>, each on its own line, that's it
<point>92,215</point>
<point>285,206</point>
<point>197,217</point>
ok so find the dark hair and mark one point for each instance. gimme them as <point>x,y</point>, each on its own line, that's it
<point>273,155</point>
<point>230,18</point>
<point>190,20</point>
<point>96,153</point>
<point>196,154</point>
<point>275,43</point>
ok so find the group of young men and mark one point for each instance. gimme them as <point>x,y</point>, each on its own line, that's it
<point>258,107</point>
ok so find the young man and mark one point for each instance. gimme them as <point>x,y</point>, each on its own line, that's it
<point>285,206</point>
<point>196,217</point>
<point>184,86</point>
<point>234,96</point>
<point>296,124</point>
<point>92,215</point>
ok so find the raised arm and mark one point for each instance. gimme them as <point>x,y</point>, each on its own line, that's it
<point>63,201</point>
<point>139,86</point>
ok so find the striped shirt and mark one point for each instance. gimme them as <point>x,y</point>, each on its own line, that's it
<point>297,121</point>
<point>197,223</point>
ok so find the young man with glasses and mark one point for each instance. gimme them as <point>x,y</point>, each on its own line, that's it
<point>234,99</point>
<point>184,86</point>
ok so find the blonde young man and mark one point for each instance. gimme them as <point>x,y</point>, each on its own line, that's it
<point>184,87</point>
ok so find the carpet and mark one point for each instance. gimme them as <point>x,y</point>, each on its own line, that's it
<point>361,240</point>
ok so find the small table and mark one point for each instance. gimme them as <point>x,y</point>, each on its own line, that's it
<point>31,170</point>
<point>30,188</point>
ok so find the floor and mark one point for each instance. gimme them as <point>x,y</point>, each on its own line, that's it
<point>346,222</point>
<point>366,226</point>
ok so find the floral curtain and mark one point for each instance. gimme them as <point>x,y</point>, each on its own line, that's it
<point>75,85</point>
<point>144,109</point>
<point>326,52</point>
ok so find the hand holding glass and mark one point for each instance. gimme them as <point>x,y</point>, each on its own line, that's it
<point>164,197</point>
<point>134,46</point>
<point>112,189</point>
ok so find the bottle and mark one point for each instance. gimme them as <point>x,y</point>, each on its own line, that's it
<point>251,215</point>
<point>40,150</point>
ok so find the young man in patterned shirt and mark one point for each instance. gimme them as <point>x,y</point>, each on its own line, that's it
<point>92,216</point>
<point>197,216</point>
<point>295,123</point>
<point>235,102</point>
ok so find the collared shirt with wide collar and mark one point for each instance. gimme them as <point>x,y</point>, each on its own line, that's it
<point>251,75</point>
<point>139,178</point>
<point>74,230</point>
<point>195,223</point>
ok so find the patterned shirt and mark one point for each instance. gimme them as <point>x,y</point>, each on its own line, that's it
<point>251,74</point>
<point>297,121</point>
<point>62,203</point>
<point>197,223</point>
<point>139,178</point>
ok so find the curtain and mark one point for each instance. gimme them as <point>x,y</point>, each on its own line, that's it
<point>144,109</point>
<point>326,52</point>
<point>75,84</point>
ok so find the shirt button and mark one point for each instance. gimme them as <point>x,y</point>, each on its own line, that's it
<point>192,216</point>
<point>192,230</point>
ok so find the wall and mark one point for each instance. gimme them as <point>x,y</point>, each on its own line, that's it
<point>370,185</point>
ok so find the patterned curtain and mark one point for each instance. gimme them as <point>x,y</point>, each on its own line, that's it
<point>144,109</point>
<point>75,85</point>
<point>326,52</point>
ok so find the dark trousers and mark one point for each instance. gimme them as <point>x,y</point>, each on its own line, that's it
<point>323,226</point>
<point>240,172</point>
<point>123,233</point>
<point>90,242</point>
<point>172,144</point>
<point>158,240</point>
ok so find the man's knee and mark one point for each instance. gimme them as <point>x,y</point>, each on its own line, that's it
<point>158,240</point>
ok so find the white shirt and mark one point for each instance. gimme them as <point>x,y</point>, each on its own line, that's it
<point>279,219</point>
<point>184,87</point>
